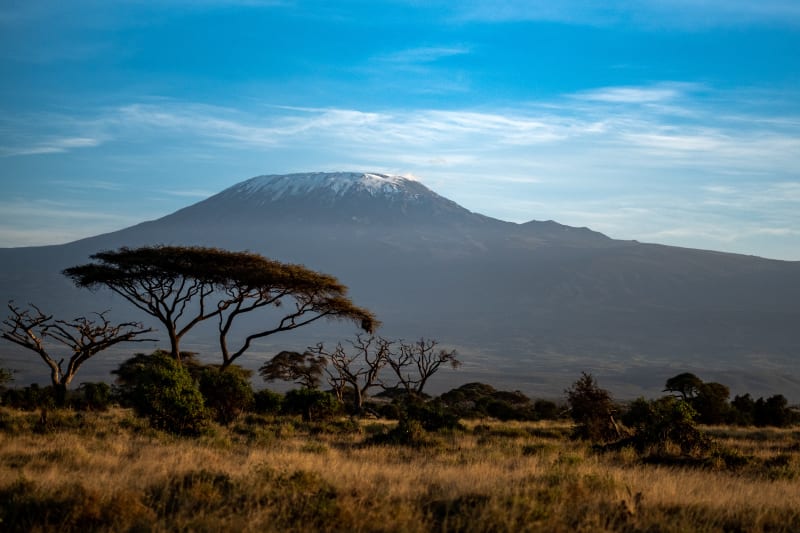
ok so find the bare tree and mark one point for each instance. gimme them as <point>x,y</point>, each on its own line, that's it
<point>358,370</point>
<point>415,363</point>
<point>83,336</point>
<point>305,369</point>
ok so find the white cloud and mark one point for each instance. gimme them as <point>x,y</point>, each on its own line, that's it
<point>630,95</point>
<point>51,146</point>
<point>428,54</point>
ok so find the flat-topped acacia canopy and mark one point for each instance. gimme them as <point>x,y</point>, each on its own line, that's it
<point>163,281</point>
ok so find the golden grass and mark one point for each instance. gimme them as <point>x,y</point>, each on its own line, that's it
<point>109,472</point>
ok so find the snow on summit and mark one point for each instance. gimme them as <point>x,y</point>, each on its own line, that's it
<point>335,183</point>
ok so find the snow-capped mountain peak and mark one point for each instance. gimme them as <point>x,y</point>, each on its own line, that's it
<point>332,183</point>
<point>361,198</point>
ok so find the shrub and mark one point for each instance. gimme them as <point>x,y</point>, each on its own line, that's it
<point>479,400</point>
<point>93,396</point>
<point>660,423</point>
<point>743,410</point>
<point>30,398</point>
<point>431,415</point>
<point>546,410</point>
<point>160,389</point>
<point>226,393</point>
<point>6,377</point>
<point>592,409</point>
<point>774,411</point>
<point>312,404</point>
<point>267,402</point>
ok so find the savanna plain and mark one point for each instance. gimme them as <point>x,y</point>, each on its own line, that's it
<point>109,470</point>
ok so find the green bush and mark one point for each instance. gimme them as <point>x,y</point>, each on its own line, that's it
<point>160,389</point>
<point>226,393</point>
<point>431,415</point>
<point>311,404</point>
<point>546,410</point>
<point>267,402</point>
<point>477,400</point>
<point>30,398</point>
<point>711,403</point>
<point>659,423</point>
<point>774,411</point>
<point>592,410</point>
<point>93,397</point>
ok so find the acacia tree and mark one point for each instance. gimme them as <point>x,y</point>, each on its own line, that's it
<point>686,384</point>
<point>183,286</point>
<point>256,283</point>
<point>304,369</point>
<point>84,337</point>
<point>415,363</point>
<point>358,370</point>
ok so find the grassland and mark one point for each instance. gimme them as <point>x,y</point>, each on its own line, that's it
<point>109,471</point>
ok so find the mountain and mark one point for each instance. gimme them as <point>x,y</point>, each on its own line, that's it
<point>527,305</point>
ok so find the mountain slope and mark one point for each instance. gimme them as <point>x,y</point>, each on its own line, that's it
<point>529,305</point>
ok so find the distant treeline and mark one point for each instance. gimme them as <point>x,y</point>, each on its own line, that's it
<point>225,396</point>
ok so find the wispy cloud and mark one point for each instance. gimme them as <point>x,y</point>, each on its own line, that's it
<point>683,14</point>
<point>647,162</point>
<point>633,95</point>
<point>50,146</point>
<point>423,55</point>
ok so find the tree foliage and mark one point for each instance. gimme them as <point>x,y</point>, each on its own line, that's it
<point>183,286</point>
<point>304,369</point>
<point>709,399</point>
<point>711,402</point>
<point>686,384</point>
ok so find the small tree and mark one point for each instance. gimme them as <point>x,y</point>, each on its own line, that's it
<point>83,337</point>
<point>415,363</point>
<point>593,410</point>
<point>685,384</point>
<point>304,369</point>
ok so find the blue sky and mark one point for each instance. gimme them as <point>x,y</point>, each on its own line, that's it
<point>670,121</point>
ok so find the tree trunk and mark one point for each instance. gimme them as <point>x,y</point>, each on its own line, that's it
<point>60,394</point>
<point>174,345</point>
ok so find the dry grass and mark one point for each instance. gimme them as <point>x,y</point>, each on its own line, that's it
<point>109,472</point>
